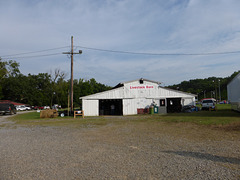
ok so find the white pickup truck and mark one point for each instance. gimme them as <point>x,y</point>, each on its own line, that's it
<point>21,108</point>
<point>208,103</point>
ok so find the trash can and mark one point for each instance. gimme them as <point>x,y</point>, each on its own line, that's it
<point>140,111</point>
<point>155,109</point>
<point>151,110</point>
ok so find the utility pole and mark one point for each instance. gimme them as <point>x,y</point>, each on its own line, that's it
<point>219,91</point>
<point>215,93</point>
<point>71,86</point>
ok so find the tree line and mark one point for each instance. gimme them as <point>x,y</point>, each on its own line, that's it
<point>206,88</point>
<point>52,88</point>
<point>44,88</point>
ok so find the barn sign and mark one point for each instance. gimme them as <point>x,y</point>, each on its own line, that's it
<point>141,87</point>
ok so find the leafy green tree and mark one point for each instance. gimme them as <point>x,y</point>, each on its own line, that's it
<point>7,69</point>
<point>57,79</point>
<point>38,89</point>
<point>61,92</point>
<point>206,86</point>
<point>31,89</point>
<point>13,88</point>
<point>86,87</point>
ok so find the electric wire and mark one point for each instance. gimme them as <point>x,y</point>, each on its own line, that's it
<point>24,57</point>
<point>33,52</point>
<point>160,54</point>
<point>15,56</point>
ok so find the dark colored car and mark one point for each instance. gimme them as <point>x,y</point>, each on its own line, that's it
<point>6,108</point>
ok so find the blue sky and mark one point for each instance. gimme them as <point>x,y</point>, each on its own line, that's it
<point>142,26</point>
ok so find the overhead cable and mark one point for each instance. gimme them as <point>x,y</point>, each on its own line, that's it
<point>33,52</point>
<point>32,56</point>
<point>161,54</point>
<point>14,56</point>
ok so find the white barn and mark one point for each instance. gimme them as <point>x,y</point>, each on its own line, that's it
<point>233,89</point>
<point>126,98</point>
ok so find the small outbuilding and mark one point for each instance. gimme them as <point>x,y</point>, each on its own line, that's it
<point>130,97</point>
<point>233,89</point>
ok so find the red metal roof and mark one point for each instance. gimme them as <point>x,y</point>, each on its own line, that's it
<point>11,102</point>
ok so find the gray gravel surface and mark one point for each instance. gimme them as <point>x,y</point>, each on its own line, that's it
<point>119,151</point>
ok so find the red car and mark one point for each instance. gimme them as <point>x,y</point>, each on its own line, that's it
<point>37,107</point>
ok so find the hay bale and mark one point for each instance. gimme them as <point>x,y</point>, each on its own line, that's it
<point>43,114</point>
<point>49,113</point>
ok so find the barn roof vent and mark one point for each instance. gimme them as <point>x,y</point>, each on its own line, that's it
<point>141,81</point>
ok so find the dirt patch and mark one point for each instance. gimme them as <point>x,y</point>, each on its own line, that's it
<point>235,126</point>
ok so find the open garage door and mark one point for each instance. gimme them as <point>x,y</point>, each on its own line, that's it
<point>110,107</point>
<point>174,105</point>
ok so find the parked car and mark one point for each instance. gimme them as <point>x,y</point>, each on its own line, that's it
<point>56,106</point>
<point>6,108</point>
<point>63,113</point>
<point>21,108</point>
<point>35,107</point>
<point>46,107</point>
<point>28,108</point>
<point>189,108</point>
<point>208,103</point>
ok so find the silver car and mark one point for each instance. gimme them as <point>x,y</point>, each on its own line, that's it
<point>208,104</point>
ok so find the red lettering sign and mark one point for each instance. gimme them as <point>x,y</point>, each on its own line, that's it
<point>141,87</point>
<point>137,87</point>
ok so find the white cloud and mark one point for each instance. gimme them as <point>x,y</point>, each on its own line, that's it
<point>190,26</point>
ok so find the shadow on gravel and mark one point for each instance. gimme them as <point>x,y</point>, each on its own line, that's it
<point>206,156</point>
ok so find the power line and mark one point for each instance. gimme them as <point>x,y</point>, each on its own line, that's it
<point>15,56</point>
<point>160,54</point>
<point>23,57</point>
<point>33,52</point>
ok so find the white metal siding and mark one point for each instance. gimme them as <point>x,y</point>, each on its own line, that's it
<point>111,94</point>
<point>130,106</point>
<point>90,107</point>
<point>169,93</point>
<point>233,89</point>
<point>137,90</point>
<point>188,101</point>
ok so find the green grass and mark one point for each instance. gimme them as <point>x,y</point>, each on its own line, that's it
<point>33,119</point>
<point>28,116</point>
<point>223,116</point>
<point>224,106</point>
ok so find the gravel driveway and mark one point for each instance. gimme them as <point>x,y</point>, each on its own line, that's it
<point>129,150</point>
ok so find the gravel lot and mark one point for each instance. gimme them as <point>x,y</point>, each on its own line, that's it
<point>129,150</point>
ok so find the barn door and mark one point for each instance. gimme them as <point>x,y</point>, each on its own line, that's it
<point>110,107</point>
<point>174,105</point>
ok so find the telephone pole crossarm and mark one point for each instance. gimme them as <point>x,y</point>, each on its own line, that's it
<point>80,52</point>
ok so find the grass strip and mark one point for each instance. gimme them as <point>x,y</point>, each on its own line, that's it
<point>223,116</point>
